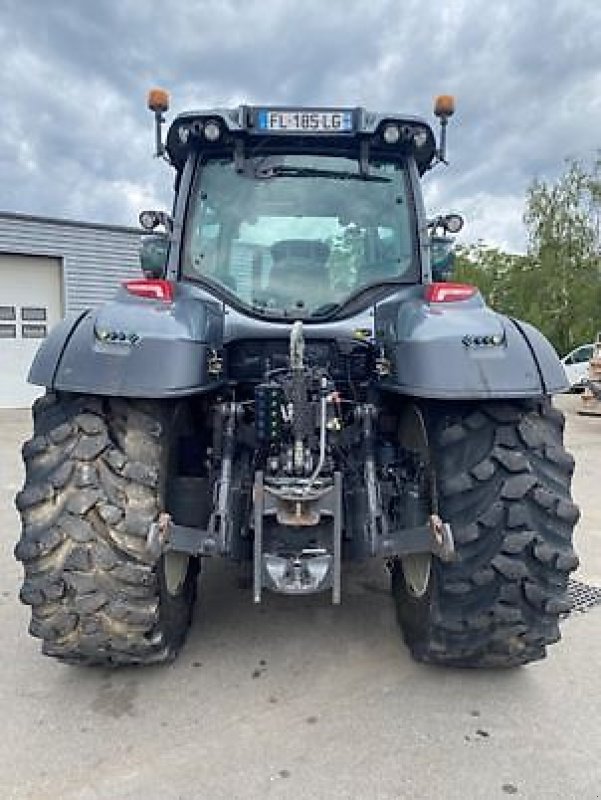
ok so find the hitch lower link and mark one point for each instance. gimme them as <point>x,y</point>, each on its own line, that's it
<point>164,536</point>
<point>433,537</point>
<point>436,537</point>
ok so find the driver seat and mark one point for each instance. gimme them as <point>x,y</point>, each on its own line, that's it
<point>298,272</point>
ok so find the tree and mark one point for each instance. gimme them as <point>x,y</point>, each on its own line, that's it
<point>501,277</point>
<point>557,285</point>
<point>564,246</point>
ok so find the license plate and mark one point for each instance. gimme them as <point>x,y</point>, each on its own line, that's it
<point>305,121</point>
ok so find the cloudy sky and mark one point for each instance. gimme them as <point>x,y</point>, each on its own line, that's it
<point>76,139</point>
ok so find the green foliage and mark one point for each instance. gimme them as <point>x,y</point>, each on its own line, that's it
<point>563,224</point>
<point>499,276</point>
<point>557,285</point>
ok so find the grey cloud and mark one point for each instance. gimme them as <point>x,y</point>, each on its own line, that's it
<point>76,138</point>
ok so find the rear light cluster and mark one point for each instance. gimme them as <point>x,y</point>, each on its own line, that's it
<point>153,288</point>
<point>449,292</point>
<point>160,289</point>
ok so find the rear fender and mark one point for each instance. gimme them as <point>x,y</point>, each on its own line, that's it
<point>463,350</point>
<point>134,347</point>
<point>49,353</point>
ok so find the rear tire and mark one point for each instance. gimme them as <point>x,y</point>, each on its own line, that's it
<point>95,477</point>
<point>503,483</point>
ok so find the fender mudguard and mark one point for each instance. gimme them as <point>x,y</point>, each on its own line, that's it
<point>135,347</point>
<point>463,350</point>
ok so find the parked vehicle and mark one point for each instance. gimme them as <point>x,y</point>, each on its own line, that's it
<point>287,385</point>
<point>576,365</point>
<point>591,396</point>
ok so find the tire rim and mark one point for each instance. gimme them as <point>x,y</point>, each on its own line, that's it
<point>417,568</point>
<point>416,571</point>
<point>175,565</point>
<point>175,569</point>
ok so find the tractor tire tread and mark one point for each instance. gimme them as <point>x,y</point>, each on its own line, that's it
<point>93,587</point>
<point>500,602</point>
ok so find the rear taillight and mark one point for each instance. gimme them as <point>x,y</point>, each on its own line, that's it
<point>449,292</point>
<point>154,288</point>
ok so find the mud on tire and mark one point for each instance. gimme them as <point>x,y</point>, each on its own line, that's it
<point>503,480</point>
<point>95,475</point>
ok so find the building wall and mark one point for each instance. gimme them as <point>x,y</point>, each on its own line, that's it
<point>95,258</point>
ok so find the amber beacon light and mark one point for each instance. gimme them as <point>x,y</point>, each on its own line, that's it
<point>444,105</point>
<point>158,100</point>
<point>158,103</point>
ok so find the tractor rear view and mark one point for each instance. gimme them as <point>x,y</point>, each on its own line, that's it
<point>288,386</point>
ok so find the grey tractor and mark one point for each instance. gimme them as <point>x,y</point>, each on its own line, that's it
<point>289,386</point>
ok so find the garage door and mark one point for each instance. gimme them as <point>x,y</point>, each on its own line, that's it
<point>30,304</point>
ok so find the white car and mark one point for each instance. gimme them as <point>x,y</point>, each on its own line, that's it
<point>576,364</point>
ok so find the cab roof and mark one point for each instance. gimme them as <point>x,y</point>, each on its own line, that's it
<point>294,129</point>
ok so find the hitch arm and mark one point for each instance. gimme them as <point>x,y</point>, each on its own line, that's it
<point>436,537</point>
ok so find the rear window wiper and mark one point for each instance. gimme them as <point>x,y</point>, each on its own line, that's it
<point>286,171</point>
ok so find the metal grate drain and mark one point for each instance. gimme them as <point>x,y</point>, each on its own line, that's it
<point>583,597</point>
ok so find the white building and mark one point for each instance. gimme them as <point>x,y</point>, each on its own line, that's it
<point>49,267</point>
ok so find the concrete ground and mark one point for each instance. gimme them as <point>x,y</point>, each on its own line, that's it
<point>296,699</point>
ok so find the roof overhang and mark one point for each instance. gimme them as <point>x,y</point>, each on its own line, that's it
<point>244,127</point>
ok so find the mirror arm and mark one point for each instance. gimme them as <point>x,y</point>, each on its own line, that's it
<point>436,222</point>
<point>159,119</point>
<point>442,149</point>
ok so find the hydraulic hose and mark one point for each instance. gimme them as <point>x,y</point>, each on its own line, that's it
<point>322,437</point>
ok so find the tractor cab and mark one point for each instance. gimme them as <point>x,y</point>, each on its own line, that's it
<point>296,213</point>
